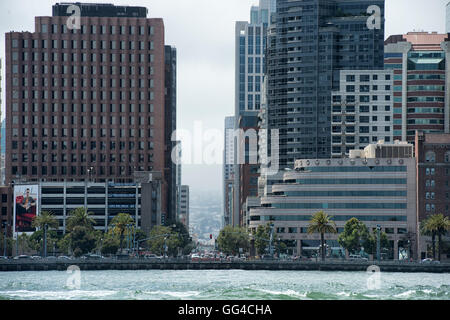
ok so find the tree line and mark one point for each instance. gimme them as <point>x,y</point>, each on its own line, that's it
<point>355,236</point>
<point>81,237</point>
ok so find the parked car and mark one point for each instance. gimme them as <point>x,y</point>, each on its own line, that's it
<point>36,257</point>
<point>357,257</point>
<point>195,257</point>
<point>64,258</point>
<point>51,258</point>
<point>430,261</point>
<point>92,257</point>
<point>22,257</point>
<point>3,258</point>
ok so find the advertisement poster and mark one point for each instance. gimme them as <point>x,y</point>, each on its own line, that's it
<point>26,199</point>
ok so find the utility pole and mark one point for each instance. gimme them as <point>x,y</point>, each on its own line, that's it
<point>378,242</point>
<point>271,240</point>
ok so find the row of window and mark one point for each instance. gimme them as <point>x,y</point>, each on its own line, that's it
<point>78,71</point>
<point>366,88</point>
<point>83,157</point>
<point>430,156</point>
<point>351,140</point>
<point>84,57</point>
<point>336,205</point>
<point>74,145</point>
<point>347,181</point>
<point>93,45</point>
<point>83,132</point>
<point>343,193</point>
<point>362,119</point>
<point>76,171</point>
<point>366,77</point>
<point>96,29</point>
<point>64,120</point>
<point>292,230</point>
<point>335,218</point>
<point>83,107</point>
<point>362,109</point>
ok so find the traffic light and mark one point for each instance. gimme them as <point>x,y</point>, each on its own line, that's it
<point>210,236</point>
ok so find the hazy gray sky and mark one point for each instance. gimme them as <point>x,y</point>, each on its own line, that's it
<point>203,33</point>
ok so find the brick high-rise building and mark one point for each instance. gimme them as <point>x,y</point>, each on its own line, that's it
<point>421,72</point>
<point>87,101</point>
<point>432,152</point>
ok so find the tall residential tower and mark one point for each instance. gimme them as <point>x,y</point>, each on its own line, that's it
<point>308,45</point>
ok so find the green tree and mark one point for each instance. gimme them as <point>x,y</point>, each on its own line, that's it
<point>436,225</point>
<point>186,241</point>
<point>231,239</point>
<point>161,236</point>
<point>111,243</point>
<point>370,242</point>
<point>45,218</point>
<point>82,240</point>
<point>79,217</point>
<point>355,233</point>
<point>322,223</point>
<point>120,224</point>
<point>262,238</point>
<point>64,244</point>
<point>36,240</point>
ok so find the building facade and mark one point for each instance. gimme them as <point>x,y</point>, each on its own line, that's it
<point>421,83</point>
<point>184,206</point>
<point>346,188</point>
<point>309,43</point>
<point>86,102</point>
<point>432,151</point>
<point>250,69</point>
<point>362,111</point>
<point>170,127</point>
<point>228,170</point>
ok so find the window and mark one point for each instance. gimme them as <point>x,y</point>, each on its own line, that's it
<point>430,157</point>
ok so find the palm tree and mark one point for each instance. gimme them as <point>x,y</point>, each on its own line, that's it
<point>120,224</point>
<point>45,218</point>
<point>43,221</point>
<point>79,218</point>
<point>322,223</point>
<point>425,230</point>
<point>435,225</point>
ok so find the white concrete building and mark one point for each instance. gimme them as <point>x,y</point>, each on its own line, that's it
<point>362,110</point>
<point>377,190</point>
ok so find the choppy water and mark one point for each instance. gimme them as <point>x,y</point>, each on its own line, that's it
<point>222,285</point>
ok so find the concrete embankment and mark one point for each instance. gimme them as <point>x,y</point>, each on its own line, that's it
<point>106,264</point>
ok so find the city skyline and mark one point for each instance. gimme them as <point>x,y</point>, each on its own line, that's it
<point>211,101</point>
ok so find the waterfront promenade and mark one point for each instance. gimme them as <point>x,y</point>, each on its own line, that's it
<point>176,264</point>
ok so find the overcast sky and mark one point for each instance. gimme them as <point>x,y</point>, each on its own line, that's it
<point>203,33</point>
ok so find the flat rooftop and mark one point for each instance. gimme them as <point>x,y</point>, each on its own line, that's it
<point>99,10</point>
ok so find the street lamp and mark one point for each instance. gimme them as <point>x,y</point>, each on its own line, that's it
<point>378,242</point>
